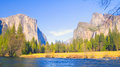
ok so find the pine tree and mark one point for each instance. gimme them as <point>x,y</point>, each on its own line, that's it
<point>96,42</point>
<point>108,44</point>
<point>34,45</point>
<point>89,46</point>
<point>20,39</point>
<point>79,43</point>
<point>115,34</point>
<point>38,47</point>
<point>3,45</point>
<point>42,49</point>
<point>57,46</point>
<point>74,45</point>
<point>47,47</point>
<point>52,47</point>
<point>101,41</point>
<point>20,29</point>
<point>93,43</point>
<point>27,48</point>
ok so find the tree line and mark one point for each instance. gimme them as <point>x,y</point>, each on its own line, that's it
<point>111,42</point>
<point>13,43</point>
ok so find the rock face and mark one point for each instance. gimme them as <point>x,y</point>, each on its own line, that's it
<point>84,30</point>
<point>100,23</point>
<point>29,25</point>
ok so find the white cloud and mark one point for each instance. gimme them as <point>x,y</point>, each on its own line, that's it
<point>61,33</point>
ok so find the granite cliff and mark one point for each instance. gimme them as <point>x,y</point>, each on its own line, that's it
<point>100,23</point>
<point>29,25</point>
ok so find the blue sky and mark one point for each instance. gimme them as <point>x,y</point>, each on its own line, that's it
<point>56,18</point>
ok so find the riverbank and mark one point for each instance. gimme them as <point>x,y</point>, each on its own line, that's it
<point>93,55</point>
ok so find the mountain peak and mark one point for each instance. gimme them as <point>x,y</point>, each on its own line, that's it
<point>99,24</point>
<point>29,25</point>
<point>21,14</point>
<point>95,13</point>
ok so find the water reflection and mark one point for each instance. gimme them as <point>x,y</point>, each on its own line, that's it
<point>56,62</point>
<point>17,62</point>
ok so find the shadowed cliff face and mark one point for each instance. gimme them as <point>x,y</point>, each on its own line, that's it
<point>1,26</point>
<point>29,25</point>
<point>100,23</point>
<point>41,37</point>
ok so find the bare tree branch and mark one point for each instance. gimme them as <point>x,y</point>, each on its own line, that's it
<point>105,3</point>
<point>115,10</point>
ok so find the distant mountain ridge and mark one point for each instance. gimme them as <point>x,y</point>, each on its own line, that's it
<point>100,23</point>
<point>29,25</point>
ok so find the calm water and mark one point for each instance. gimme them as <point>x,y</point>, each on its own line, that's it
<point>57,62</point>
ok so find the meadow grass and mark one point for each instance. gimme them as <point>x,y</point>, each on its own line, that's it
<point>93,55</point>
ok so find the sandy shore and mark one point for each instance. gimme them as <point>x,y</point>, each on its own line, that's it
<point>94,55</point>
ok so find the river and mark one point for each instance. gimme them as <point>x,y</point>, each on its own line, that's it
<point>57,62</point>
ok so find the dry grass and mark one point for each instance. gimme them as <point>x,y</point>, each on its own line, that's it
<point>95,55</point>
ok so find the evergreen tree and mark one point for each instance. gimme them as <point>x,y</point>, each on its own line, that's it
<point>52,47</point>
<point>57,46</point>
<point>93,43</point>
<point>115,34</point>
<point>62,47</point>
<point>101,41</point>
<point>71,49</point>
<point>20,39</point>
<point>38,47</point>
<point>27,48</point>
<point>89,46</point>
<point>3,45</point>
<point>85,45</point>
<point>20,29</point>
<point>79,43</point>
<point>108,44</point>
<point>96,42</point>
<point>111,44</point>
<point>74,45</point>
<point>104,47</point>
<point>34,45</point>
<point>42,49</point>
<point>47,47</point>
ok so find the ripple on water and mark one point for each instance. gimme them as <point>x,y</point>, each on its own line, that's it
<point>57,62</point>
